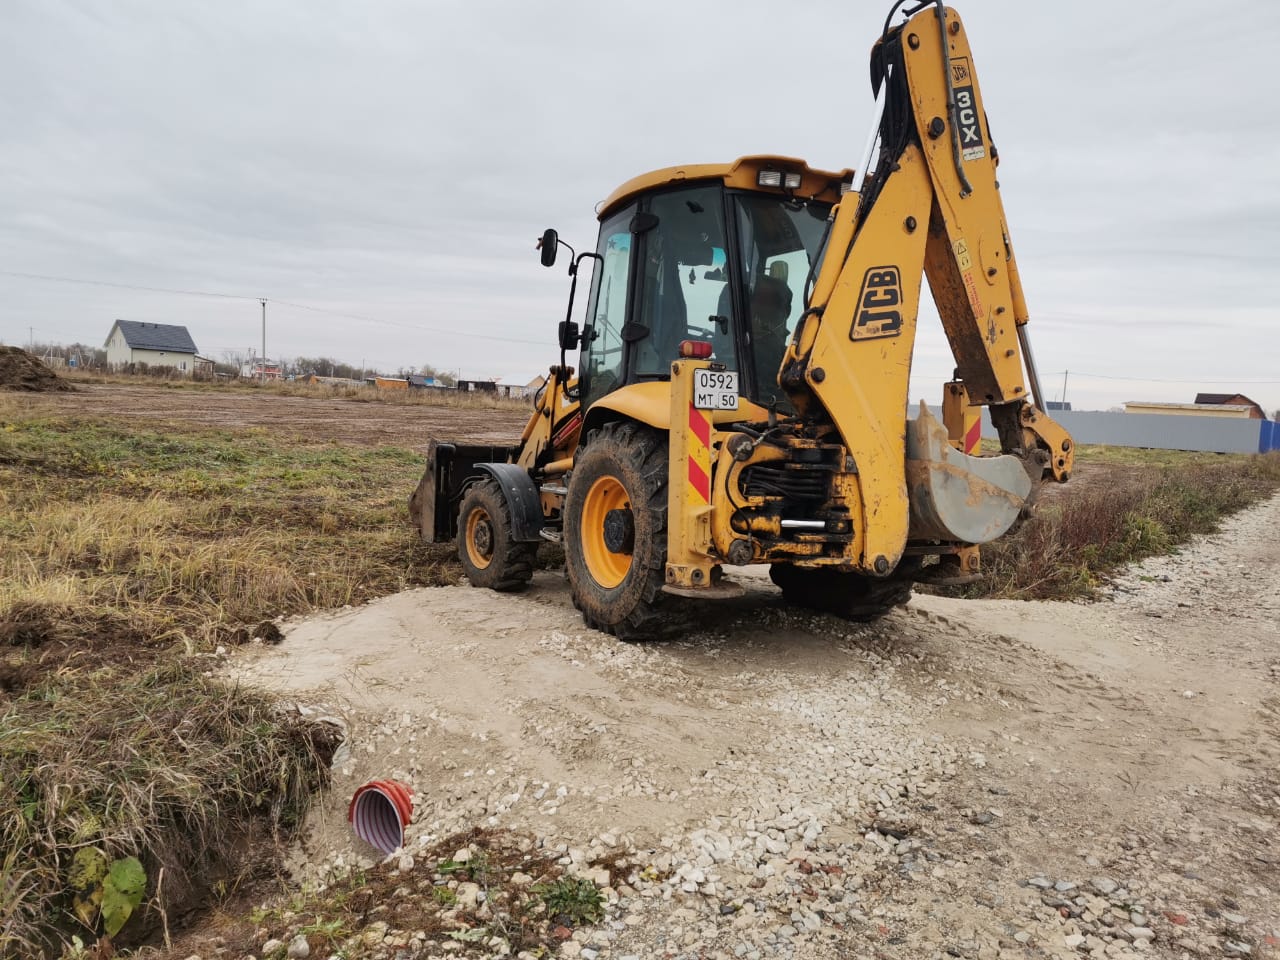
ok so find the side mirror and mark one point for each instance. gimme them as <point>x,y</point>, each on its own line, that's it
<point>548,244</point>
<point>569,335</point>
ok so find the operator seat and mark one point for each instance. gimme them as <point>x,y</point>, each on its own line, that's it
<point>770,310</point>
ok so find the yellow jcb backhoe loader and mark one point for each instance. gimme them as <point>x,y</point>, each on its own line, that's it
<point>741,391</point>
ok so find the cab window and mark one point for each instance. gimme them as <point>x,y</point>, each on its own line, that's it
<point>601,366</point>
<point>684,291</point>
<point>779,242</point>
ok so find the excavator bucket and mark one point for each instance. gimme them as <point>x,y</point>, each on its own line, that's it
<point>450,466</point>
<point>955,497</point>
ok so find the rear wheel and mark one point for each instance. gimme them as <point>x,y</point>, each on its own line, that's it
<point>489,555</point>
<point>615,522</point>
<point>851,596</point>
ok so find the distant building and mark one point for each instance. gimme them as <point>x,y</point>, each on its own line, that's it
<point>314,379</point>
<point>1234,411</point>
<point>531,388</point>
<point>1232,400</point>
<point>261,369</point>
<point>478,386</point>
<point>420,381</point>
<point>154,344</point>
<point>1051,406</point>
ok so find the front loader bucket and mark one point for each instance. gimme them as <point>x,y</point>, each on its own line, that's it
<point>955,497</point>
<point>450,468</point>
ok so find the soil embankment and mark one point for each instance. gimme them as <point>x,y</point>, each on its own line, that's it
<point>20,370</point>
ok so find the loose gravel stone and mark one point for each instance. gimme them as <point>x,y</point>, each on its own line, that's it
<point>849,821</point>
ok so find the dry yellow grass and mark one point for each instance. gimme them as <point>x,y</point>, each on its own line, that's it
<point>294,388</point>
<point>126,553</point>
<point>1075,541</point>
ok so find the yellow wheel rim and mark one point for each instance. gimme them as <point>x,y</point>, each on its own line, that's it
<point>479,539</point>
<point>606,567</point>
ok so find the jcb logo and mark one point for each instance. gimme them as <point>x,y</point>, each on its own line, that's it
<point>879,303</point>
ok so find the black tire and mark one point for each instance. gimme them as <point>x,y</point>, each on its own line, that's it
<point>622,466</point>
<point>850,596</point>
<point>489,556</point>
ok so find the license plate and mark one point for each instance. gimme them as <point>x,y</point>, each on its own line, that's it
<point>715,389</point>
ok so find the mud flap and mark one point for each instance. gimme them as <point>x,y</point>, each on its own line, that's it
<point>521,494</point>
<point>958,498</point>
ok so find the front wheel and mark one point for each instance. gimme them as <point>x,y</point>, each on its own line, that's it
<point>489,555</point>
<point>615,523</point>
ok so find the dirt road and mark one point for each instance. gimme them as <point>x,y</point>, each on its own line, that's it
<point>964,778</point>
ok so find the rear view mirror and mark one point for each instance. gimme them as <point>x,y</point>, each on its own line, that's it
<point>548,244</point>
<point>569,335</point>
<point>643,223</point>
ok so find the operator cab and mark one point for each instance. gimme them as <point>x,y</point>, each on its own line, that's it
<point>717,254</point>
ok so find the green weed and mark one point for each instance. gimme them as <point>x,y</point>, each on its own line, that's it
<point>1078,539</point>
<point>576,899</point>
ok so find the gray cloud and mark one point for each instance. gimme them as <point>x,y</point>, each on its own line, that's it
<point>396,160</point>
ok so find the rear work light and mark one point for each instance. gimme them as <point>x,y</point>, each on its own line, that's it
<point>695,349</point>
<point>776,178</point>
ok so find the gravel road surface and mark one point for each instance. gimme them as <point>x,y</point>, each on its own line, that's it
<point>962,779</point>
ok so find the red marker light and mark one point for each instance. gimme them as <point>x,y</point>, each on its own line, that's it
<point>695,349</point>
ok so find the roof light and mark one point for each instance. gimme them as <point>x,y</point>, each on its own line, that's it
<point>769,178</point>
<point>695,349</point>
<point>791,181</point>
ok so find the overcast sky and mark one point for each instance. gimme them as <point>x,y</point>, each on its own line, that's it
<point>396,161</point>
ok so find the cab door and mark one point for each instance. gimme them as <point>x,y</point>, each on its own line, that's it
<point>602,368</point>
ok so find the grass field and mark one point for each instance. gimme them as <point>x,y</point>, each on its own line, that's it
<point>319,391</point>
<point>1146,503</point>
<point>127,556</point>
<point>130,551</point>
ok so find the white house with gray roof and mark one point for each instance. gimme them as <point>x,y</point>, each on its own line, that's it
<point>155,344</point>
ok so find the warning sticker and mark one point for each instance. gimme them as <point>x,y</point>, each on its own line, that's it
<point>966,110</point>
<point>965,262</point>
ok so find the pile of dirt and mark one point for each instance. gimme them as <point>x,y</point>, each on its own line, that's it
<point>19,370</point>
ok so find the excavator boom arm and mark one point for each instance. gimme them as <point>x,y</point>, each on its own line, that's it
<point>931,207</point>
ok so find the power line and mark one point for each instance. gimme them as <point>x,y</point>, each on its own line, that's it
<point>407,326</point>
<point>499,339</point>
<point>124,286</point>
<point>287,303</point>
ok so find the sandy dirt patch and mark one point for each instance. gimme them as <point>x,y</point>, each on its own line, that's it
<point>964,778</point>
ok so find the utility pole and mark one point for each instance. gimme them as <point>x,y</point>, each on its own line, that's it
<point>264,337</point>
<point>1064,388</point>
<point>31,338</point>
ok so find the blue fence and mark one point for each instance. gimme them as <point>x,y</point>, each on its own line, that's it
<point>1165,431</point>
<point>1269,436</point>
